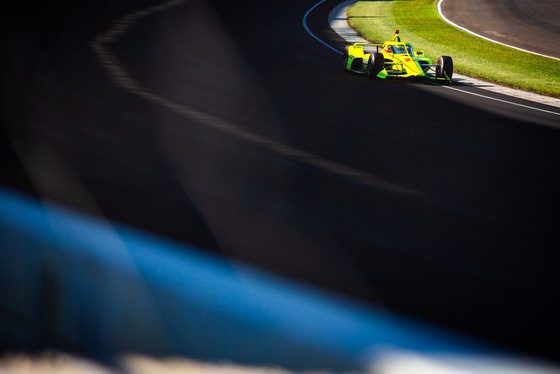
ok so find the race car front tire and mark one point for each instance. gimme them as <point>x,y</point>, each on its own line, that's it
<point>376,63</point>
<point>345,60</point>
<point>444,67</point>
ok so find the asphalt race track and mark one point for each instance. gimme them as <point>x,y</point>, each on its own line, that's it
<point>529,25</point>
<point>234,130</point>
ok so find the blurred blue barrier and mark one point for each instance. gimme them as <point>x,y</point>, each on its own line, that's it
<point>81,283</point>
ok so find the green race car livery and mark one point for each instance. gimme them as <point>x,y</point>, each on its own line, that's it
<point>394,58</point>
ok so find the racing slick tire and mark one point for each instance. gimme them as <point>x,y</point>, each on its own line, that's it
<point>376,63</point>
<point>345,60</point>
<point>444,67</point>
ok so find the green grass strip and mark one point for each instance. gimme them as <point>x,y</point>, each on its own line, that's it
<point>420,24</point>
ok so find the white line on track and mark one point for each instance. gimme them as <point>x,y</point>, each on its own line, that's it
<point>484,37</point>
<point>100,45</point>
<point>338,15</point>
<point>503,101</point>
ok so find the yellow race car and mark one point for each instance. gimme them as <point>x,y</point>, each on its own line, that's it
<point>394,58</point>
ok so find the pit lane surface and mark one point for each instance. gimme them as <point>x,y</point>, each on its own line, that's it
<point>529,25</point>
<point>230,128</point>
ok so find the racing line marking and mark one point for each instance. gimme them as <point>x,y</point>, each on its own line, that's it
<point>309,31</point>
<point>100,46</point>
<point>451,88</point>
<point>486,38</point>
<point>503,101</point>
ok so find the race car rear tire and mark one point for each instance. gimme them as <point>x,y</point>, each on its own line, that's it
<point>444,67</point>
<point>376,63</point>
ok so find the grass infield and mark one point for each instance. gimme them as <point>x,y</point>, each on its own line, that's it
<point>420,24</point>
